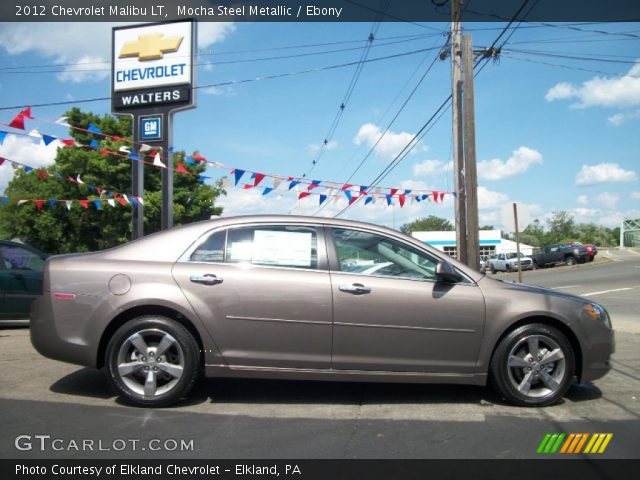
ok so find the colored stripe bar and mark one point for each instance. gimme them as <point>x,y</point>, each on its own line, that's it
<point>606,442</point>
<point>582,440</point>
<point>543,443</point>
<point>567,443</point>
<point>555,447</point>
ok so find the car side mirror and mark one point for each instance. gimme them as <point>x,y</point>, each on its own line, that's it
<point>446,273</point>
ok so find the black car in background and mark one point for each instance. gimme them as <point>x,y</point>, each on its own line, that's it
<point>560,253</point>
<point>21,268</point>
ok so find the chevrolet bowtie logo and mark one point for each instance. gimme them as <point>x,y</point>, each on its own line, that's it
<point>150,47</point>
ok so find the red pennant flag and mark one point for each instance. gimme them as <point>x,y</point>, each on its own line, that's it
<point>441,196</point>
<point>303,194</point>
<point>353,199</point>
<point>247,186</point>
<point>199,157</point>
<point>84,203</point>
<point>39,204</point>
<point>104,153</point>
<point>290,179</point>
<point>401,198</point>
<point>346,186</point>
<point>27,113</point>
<point>69,142</point>
<point>311,186</point>
<point>18,121</point>
<point>117,139</point>
<point>435,196</point>
<point>122,201</point>
<point>1,161</point>
<point>42,174</point>
<point>258,178</point>
<point>181,168</point>
<point>393,191</point>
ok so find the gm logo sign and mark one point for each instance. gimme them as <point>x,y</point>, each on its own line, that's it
<point>151,127</point>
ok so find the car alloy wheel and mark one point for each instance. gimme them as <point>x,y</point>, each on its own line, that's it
<point>152,361</point>
<point>533,365</point>
<point>570,260</point>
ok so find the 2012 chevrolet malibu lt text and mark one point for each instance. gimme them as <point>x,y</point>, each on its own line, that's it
<point>309,298</point>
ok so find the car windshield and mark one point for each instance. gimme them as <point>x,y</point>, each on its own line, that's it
<point>515,255</point>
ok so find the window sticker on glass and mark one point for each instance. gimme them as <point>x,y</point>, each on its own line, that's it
<point>291,249</point>
<point>241,252</point>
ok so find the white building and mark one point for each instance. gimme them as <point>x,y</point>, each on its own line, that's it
<point>491,242</point>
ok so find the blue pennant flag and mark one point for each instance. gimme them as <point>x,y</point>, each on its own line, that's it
<point>2,135</point>
<point>407,192</point>
<point>91,187</point>
<point>417,198</point>
<point>52,202</point>
<point>28,169</point>
<point>94,144</point>
<point>4,200</point>
<point>347,194</point>
<point>202,178</point>
<point>425,196</point>
<point>267,190</point>
<point>238,174</point>
<point>389,197</point>
<point>133,200</point>
<point>368,200</point>
<point>323,197</point>
<point>98,204</point>
<point>133,156</point>
<point>47,139</point>
<point>190,160</point>
<point>93,129</point>
<point>293,184</point>
<point>363,189</point>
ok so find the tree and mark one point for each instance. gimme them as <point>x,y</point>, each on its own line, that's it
<point>534,234</point>
<point>561,227</point>
<point>428,224</point>
<point>55,229</point>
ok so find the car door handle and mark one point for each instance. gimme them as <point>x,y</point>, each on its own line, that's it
<point>206,279</point>
<point>355,288</point>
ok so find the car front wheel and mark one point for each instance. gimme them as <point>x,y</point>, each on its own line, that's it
<point>152,361</point>
<point>570,260</point>
<point>533,365</point>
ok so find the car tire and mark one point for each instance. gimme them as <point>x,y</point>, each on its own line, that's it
<point>152,361</point>
<point>508,267</point>
<point>591,259</point>
<point>570,260</point>
<point>533,365</point>
<point>493,269</point>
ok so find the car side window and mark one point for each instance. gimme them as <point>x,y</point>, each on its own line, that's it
<point>17,258</point>
<point>372,254</point>
<point>212,249</point>
<point>277,245</point>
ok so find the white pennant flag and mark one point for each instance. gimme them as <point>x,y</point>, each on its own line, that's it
<point>79,180</point>
<point>63,121</point>
<point>126,199</point>
<point>68,204</point>
<point>124,149</point>
<point>215,165</point>
<point>158,162</point>
<point>35,133</point>
<point>21,202</point>
<point>144,148</point>
<point>139,199</point>
<point>111,202</point>
<point>276,182</point>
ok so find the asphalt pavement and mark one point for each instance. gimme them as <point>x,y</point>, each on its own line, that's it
<point>227,418</point>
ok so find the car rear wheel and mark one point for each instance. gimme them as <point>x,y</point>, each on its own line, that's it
<point>570,260</point>
<point>533,365</point>
<point>152,361</point>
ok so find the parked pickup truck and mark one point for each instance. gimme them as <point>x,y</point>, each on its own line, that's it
<point>508,262</point>
<point>560,253</point>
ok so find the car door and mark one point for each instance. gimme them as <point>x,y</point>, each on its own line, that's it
<point>264,293</point>
<point>20,280</point>
<point>399,318</point>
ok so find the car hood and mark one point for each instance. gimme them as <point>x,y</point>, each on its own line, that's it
<point>534,289</point>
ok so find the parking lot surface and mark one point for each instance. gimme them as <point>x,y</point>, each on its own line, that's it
<point>229,418</point>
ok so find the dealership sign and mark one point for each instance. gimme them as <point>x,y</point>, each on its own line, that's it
<point>152,65</point>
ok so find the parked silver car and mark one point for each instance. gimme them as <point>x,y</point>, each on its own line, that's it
<point>266,296</point>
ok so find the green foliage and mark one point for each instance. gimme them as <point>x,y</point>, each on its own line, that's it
<point>53,229</point>
<point>427,224</point>
<point>562,228</point>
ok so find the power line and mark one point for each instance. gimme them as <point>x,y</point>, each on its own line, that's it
<point>236,82</point>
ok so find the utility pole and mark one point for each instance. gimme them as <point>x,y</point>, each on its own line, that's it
<point>470,170</point>
<point>458,160</point>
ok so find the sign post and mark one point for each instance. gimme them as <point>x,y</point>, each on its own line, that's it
<point>152,77</point>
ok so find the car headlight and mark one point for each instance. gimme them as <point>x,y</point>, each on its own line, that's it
<point>593,311</point>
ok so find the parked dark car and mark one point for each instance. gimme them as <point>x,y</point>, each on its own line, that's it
<point>592,250</point>
<point>278,297</point>
<point>552,255</point>
<point>21,269</point>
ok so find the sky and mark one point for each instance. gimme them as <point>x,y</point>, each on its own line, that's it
<point>557,114</point>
